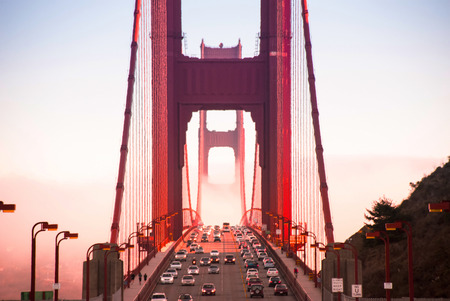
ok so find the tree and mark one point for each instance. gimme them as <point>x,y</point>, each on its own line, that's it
<point>382,212</point>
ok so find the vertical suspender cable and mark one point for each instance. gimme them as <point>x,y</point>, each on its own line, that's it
<point>315,116</point>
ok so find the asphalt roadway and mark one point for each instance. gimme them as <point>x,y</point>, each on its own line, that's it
<point>230,282</point>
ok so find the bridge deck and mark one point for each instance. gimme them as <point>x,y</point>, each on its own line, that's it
<point>313,293</point>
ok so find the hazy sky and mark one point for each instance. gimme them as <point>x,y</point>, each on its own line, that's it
<point>383,80</point>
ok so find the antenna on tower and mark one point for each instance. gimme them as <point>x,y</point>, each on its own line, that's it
<point>185,43</point>
<point>257,44</point>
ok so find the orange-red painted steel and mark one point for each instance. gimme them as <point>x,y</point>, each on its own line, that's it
<point>318,139</point>
<point>126,128</point>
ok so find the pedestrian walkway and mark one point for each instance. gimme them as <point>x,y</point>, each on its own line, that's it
<point>313,293</point>
<point>135,287</point>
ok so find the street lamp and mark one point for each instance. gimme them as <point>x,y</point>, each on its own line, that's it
<point>146,227</point>
<point>383,236</point>
<point>444,206</point>
<point>44,226</point>
<point>67,235</point>
<point>271,215</point>
<point>88,254</point>
<point>105,276</point>
<point>302,234</point>
<point>7,208</point>
<point>338,246</point>
<point>408,230</point>
<point>134,234</point>
<point>311,234</point>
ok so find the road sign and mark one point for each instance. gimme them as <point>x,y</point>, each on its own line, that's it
<point>278,231</point>
<point>356,290</point>
<point>337,285</point>
<point>56,286</point>
<point>388,285</point>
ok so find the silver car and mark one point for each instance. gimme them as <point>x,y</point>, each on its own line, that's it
<point>180,255</point>
<point>166,278</point>
<point>187,280</point>
<point>213,269</point>
<point>176,265</point>
<point>193,270</point>
<point>173,272</point>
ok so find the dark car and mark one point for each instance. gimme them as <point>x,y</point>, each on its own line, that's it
<point>217,238</point>
<point>257,290</point>
<point>251,264</point>
<point>215,259</point>
<point>253,281</point>
<point>208,289</point>
<point>185,297</point>
<point>229,258</point>
<point>274,281</point>
<point>281,289</point>
<point>205,261</point>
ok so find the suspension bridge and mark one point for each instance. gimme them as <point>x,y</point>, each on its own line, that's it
<point>160,188</point>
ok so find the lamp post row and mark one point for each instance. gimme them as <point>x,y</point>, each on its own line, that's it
<point>50,227</point>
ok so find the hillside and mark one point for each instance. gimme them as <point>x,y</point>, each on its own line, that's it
<point>431,244</point>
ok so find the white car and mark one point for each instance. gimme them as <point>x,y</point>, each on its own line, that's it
<point>166,278</point>
<point>188,280</point>
<point>176,265</point>
<point>193,270</point>
<point>173,272</point>
<point>262,255</point>
<point>214,253</point>
<point>269,264</point>
<point>158,297</point>
<point>272,272</point>
<point>180,255</point>
<point>252,271</point>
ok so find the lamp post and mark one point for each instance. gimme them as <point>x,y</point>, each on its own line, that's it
<point>270,215</point>
<point>338,246</point>
<point>44,226</point>
<point>146,227</point>
<point>7,208</point>
<point>408,230</point>
<point>338,256</point>
<point>154,223</point>
<point>304,248</point>
<point>383,236</point>
<point>67,235</point>
<point>88,254</point>
<point>311,234</point>
<point>281,217</point>
<point>134,234</point>
<point>105,276</point>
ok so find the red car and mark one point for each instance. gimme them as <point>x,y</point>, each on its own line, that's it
<point>208,289</point>
<point>281,289</point>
